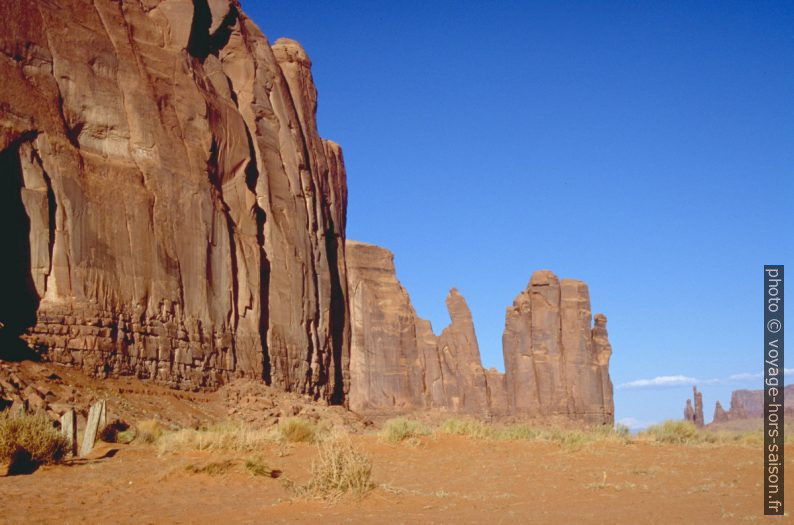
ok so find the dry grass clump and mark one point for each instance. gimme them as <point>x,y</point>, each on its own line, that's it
<point>686,433</point>
<point>339,469</point>
<point>146,431</point>
<point>674,432</point>
<point>27,441</point>
<point>238,436</point>
<point>400,428</point>
<point>571,438</point>
<point>467,427</point>
<point>221,436</point>
<point>298,430</point>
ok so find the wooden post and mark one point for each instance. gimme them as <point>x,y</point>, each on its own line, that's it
<point>96,416</point>
<point>69,429</point>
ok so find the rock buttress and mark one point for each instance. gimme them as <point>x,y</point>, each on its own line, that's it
<point>185,220</point>
<point>556,360</point>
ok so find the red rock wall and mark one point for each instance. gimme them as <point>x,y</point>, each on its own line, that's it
<point>185,220</point>
<point>556,358</point>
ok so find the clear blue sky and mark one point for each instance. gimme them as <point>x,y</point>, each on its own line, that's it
<point>645,149</point>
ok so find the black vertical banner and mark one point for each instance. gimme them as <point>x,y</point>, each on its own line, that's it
<point>773,390</point>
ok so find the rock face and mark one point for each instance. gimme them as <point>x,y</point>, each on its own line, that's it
<point>389,365</point>
<point>397,363</point>
<point>170,208</point>
<point>463,376</point>
<point>694,413</point>
<point>556,361</point>
<point>171,213</point>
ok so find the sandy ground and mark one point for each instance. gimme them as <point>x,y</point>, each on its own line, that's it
<point>441,480</point>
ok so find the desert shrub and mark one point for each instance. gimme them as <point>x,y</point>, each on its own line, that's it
<point>519,431</point>
<point>339,469</point>
<point>399,429</point>
<point>686,433</point>
<point>221,436</point>
<point>749,438</point>
<point>110,434</point>
<point>298,430</point>
<point>466,427</point>
<point>622,430</point>
<point>677,432</point>
<point>27,441</point>
<point>148,430</point>
<point>571,438</point>
<point>126,436</point>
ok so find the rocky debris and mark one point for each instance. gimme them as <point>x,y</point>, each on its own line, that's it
<point>244,400</point>
<point>21,395</point>
<point>694,412</point>
<point>258,405</point>
<point>178,217</point>
<point>557,361</point>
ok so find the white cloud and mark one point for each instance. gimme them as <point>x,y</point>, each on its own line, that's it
<point>682,380</point>
<point>745,376</point>
<point>676,380</point>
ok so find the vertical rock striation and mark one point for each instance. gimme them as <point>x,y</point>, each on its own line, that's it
<point>556,361</point>
<point>387,358</point>
<point>172,211</point>
<point>173,214</point>
<point>397,364</point>
<point>461,369</point>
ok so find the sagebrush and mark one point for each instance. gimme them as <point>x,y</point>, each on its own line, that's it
<point>220,436</point>
<point>399,429</point>
<point>30,438</point>
<point>339,469</point>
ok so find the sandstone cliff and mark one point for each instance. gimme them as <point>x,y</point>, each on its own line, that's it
<point>397,363</point>
<point>172,214</point>
<point>556,360</point>
<point>170,209</point>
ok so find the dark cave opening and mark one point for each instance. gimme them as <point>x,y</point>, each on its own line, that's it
<point>19,300</point>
